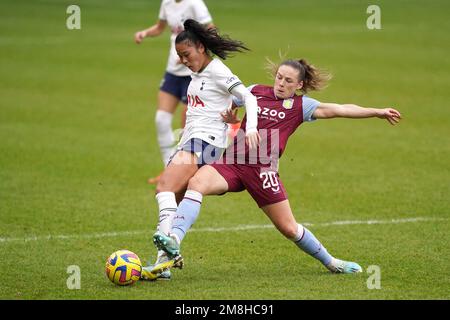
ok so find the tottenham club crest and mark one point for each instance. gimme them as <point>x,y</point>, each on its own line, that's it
<point>288,103</point>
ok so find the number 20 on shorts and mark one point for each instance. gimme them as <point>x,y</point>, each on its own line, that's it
<point>270,180</point>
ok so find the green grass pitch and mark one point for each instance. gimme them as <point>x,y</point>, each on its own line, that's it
<point>77,143</point>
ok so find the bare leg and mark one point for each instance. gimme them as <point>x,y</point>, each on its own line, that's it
<point>176,176</point>
<point>208,181</point>
<point>282,218</point>
<point>167,102</point>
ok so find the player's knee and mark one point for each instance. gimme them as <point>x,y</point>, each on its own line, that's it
<point>169,185</point>
<point>289,231</point>
<point>163,185</point>
<point>197,184</point>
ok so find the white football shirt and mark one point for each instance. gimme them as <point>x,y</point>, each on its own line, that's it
<point>175,13</point>
<point>209,94</point>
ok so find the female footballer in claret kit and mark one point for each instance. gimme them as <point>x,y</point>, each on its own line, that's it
<point>280,112</point>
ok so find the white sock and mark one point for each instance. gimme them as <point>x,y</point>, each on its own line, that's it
<point>167,208</point>
<point>166,140</point>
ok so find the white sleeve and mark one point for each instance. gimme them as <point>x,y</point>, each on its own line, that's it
<point>239,103</point>
<point>201,12</point>
<point>162,12</point>
<point>226,81</point>
<point>251,106</point>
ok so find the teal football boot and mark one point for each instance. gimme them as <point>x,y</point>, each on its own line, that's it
<point>166,243</point>
<point>345,267</point>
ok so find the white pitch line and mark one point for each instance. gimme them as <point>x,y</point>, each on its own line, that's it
<point>224,229</point>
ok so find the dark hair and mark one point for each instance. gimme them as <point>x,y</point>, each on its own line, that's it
<point>221,46</point>
<point>313,78</point>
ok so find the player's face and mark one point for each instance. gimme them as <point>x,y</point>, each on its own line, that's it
<point>287,82</point>
<point>193,57</point>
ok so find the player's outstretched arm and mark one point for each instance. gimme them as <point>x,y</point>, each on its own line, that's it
<point>334,110</point>
<point>153,31</point>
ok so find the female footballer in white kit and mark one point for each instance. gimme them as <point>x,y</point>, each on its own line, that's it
<point>176,79</point>
<point>210,93</point>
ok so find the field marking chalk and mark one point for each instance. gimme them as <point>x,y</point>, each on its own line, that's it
<point>4,240</point>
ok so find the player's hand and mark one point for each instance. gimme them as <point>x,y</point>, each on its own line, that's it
<point>230,116</point>
<point>252,139</point>
<point>390,114</point>
<point>139,36</point>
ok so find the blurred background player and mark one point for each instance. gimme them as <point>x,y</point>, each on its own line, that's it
<point>205,135</point>
<point>280,113</point>
<point>176,79</point>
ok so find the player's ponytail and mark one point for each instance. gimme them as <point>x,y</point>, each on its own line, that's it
<point>313,78</point>
<point>220,45</point>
